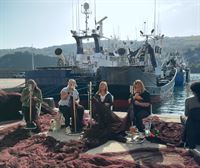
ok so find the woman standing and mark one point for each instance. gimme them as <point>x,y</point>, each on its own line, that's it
<point>31,91</point>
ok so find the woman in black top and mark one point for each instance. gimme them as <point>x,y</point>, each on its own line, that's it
<point>140,99</point>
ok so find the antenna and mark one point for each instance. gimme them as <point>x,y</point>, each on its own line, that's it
<point>78,16</point>
<point>100,21</point>
<point>73,14</point>
<point>32,59</point>
<point>86,12</point>
<point>95,13</point>
<point>100,27</point>
<point>145,27</point>
<point>154,16</point>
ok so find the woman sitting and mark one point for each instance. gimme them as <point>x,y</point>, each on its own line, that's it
<point>104,96</point>
<point>107,124</point>
<point>192,112</point>
<point>140,100</point>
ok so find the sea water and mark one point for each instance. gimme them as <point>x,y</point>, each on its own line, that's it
<point>176,103</point>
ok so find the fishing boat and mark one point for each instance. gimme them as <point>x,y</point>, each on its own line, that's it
<point>89,57</point>
<point>119,67</point>
<point>144,64</point>
<point>174,59</point>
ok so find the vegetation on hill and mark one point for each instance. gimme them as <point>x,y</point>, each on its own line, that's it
<point>188,47</point>
<point>23,61</point>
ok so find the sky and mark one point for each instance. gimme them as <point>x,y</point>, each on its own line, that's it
<point>44,23</point>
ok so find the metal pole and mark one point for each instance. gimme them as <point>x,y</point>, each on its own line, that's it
<point>90,101</point>
<point>72,14</point>
<point>155,17</point>
<point>74,110</point>
<point>95,13</point>
<point>30,108</point>
<point>33,63</point>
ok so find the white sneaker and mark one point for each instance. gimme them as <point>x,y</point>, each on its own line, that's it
<point>68,130</point>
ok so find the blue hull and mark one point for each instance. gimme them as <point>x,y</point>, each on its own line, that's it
<point>180,78</point>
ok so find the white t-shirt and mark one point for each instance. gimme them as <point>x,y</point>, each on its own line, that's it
<point>102,97</point>
<point>73,93</point>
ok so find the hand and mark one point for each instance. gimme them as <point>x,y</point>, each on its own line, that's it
<point>107,104</point>
<point>69,93</point>
<point>76,103</point>
<point>30,92</point>
<point>137,103</point>
<point>137,94</point>
<point>64,95</point>
<point>35,98</point>
<point>129,100</point>
<point>30,88</point>
<point>137,97</point>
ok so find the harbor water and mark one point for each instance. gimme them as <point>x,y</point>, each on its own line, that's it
<point>176,103</point>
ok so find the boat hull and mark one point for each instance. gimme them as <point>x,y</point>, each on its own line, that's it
<point>51,81</point>
<point>120,80</point>
<point>180,78</point>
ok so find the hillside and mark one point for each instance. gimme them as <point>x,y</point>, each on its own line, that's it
<point>21,58</point>
<point>11,64</point>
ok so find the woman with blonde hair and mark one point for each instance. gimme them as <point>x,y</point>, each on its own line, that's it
<point>107,125</point>
<point>103,95</point>
<point>140,99</point>
<point>67,95</point>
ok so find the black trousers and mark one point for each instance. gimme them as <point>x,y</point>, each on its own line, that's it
<point>192,127</point>
<point>68,113</point>
<point>26,113</point>
<point>138,117</point>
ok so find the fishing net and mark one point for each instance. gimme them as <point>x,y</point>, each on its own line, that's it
<point>41,151</point>
<point>165,132</point>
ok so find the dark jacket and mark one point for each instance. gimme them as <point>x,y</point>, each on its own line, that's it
<point>108,101</point>
<point>146,99</point>
<point>193,127</point>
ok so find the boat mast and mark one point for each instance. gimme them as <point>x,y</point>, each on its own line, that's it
<point>72,14</point>
<point>154,17</point>
<point>32,59</point>
<point>78,16</point>
<point>95,13</point>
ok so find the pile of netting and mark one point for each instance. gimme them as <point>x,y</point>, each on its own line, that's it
<point>11,135</point>
<point>19,149</point>
<point>167,132</point>
<point>44,151</point>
